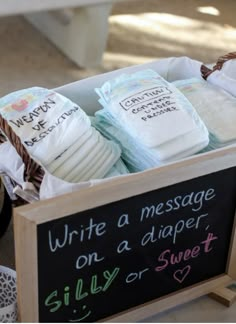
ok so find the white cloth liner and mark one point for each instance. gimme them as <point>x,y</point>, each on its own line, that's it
<point>173,68</point>
<point>225,78</point>
<point>11,163</point>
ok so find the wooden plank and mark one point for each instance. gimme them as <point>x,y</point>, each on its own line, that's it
<point>26,265</point>
<point>224,295</point>
<point>118,188</point>
<point>175,299</point>
<point>231,264</point>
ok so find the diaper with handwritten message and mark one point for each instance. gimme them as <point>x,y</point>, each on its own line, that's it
<point>41,117</point>
<point>58,134</point>
<point>150,118</point>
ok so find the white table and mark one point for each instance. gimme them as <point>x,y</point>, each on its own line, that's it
<point>78,28</point>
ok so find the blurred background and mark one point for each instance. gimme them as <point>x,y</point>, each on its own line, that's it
<point>138,31</point>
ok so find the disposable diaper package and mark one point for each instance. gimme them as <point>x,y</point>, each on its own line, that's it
<point>41,117</point>
<point>216,107</point>
<point>150,119</point>
<point>57,134</point>
<point>144,103</point>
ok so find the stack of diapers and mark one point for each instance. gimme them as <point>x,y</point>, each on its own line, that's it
<point>150,119</point>
<point>216,107</point>
<point>58,135</point>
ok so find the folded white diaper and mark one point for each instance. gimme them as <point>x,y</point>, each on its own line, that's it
<point>136,158</point>
<point>45,121</point>
<point>102,153</point>
<point>58,135</point>
<point>149,108</point>
<point>139,157</point>
<point>100,167</point>
<point>216,107</point>
<point>92,146</point>
<point>164,139</point>
<point>68,153</point>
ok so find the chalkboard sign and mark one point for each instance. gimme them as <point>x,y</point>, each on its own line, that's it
<point>105,260</point>
<point>109,257</point>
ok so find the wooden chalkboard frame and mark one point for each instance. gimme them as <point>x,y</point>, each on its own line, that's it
<point>27,218</point>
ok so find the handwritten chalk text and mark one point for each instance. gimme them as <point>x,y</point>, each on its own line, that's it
<point>59,298</point>
<point>171,231</point>
<point>168,258</point>
<point>194,199</point>
<point>85,232</point>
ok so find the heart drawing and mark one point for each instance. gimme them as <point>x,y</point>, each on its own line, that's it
<point>20,105</point>
<point>181,274</point>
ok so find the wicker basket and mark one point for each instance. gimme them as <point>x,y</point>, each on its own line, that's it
<point>33,172</point>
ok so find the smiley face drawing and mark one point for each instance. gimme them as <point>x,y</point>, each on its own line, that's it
<point>87,313</point>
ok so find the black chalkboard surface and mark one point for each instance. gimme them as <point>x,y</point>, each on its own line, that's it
<point>105,260</point>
